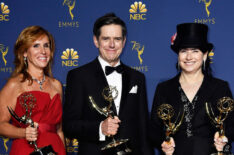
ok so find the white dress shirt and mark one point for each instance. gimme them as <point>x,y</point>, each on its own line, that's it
<point>113,79</point>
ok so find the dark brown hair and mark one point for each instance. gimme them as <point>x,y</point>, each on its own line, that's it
<point>108,19</point>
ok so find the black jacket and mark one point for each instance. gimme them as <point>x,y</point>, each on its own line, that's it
<point>81,121</point>
<point>201,143</point>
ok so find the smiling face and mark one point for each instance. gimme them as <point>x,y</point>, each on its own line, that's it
<point>110,43</point>
<point>191,59</point>
<point>39,53</point>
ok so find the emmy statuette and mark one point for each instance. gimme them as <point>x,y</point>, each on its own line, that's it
<point>224,105</point>
<point>166,112</point>
<point>27,101</point>
<point>110,93</point>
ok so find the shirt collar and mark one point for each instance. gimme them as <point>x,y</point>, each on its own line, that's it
<point>104,63</point>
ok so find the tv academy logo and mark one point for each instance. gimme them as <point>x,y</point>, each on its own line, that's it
<point>207,20</point>
<point>4,51</point>
<point>138,11</point>
<point>4,16</point>
<point>139,49</point>
<point>72,145</point>
<point>70,5</point>
<point>5,140</point>
<point>207,4</point>
<point>3,60</point>
<point>70,58</point>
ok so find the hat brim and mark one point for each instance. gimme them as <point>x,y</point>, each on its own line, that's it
<point>204,47</point>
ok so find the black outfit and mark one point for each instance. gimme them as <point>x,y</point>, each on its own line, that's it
<point>82,121</point>
<point>196,134</point>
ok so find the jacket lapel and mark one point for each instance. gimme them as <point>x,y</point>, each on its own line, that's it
<point>204,94</point>
<point>102,83</point>
<point>204,89</point>
<point>126,84</point>
<point>100,75</point>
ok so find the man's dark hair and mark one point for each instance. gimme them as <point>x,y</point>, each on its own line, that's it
<point>108,19</point>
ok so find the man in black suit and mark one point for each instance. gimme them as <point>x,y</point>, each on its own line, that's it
<point>84,122</point>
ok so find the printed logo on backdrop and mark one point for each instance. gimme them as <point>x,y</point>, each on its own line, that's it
<point>211,55</point>
<point>4,14</point>
<point>3,59</point>
<point>71,145</point>
<point>71,5</point>
<point>138,11</point>
<point>71,17</point>
<point>70,58</point>
<point>206,6</point>
<point>138,50</point>
<point>4,145</point>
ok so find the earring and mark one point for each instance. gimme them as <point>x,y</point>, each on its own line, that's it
<point>178,66</point>
<point>204,65</point>
<point>25,62</point>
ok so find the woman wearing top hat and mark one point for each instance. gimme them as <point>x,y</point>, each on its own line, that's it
<point>189,91</point>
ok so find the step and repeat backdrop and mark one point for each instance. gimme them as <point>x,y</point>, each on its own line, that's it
<point>150,23</point>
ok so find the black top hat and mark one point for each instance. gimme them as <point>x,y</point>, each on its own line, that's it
<point>191,35</point>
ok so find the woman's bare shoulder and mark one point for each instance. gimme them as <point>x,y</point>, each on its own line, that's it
<point>56,85</point>
<point>13,83</point>
<point>11,90</point>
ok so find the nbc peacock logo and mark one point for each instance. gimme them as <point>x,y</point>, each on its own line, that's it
<point>70,57</point>
<point>138,11</point>
<point>5,11</point>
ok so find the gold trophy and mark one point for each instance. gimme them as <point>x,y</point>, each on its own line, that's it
<point>110,93</point>
<point>27,101</point>
<point>166,112</point>
<point>225,105</point>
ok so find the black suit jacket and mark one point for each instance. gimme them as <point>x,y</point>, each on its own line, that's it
<point>81,121</point>
<point>202,140</point>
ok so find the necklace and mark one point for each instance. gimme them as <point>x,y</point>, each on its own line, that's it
<point>39,82</point>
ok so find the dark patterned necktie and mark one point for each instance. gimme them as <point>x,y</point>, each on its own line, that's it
<point>109,69</point>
